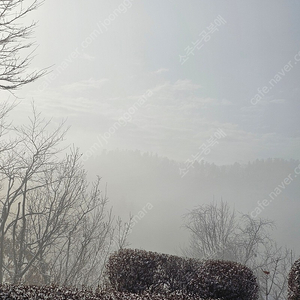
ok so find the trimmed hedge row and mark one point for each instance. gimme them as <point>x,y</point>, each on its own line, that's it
<point>226,280</point>
<point>21,292</point>
<point>294,281</point>
<point>139,271</point>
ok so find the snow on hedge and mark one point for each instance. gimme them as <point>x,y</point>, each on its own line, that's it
<point>139,271</point>
<point>21,292</point>
<point>294,281</point>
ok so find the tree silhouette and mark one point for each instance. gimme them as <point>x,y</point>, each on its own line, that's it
<point>15,49</point>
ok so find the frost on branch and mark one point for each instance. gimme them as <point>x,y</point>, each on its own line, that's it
<point>139,271</point>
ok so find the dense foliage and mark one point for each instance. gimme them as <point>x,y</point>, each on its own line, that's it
<point>224,279</point>
<point>21,292</point>
<point>139,271</point>
<point>156,277</point>
<point>294,281</point>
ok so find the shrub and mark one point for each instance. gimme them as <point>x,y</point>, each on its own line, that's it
<point>138,271</point>
<point>225,280</point>
<point>131,270</point>
<point>21,292</point>
<point>294,281</point>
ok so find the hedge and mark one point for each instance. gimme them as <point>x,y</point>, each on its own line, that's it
<point>22,292</point>
<point>139,271</point>
<point>294,281</point>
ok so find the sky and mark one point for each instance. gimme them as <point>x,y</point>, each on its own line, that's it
<point>242,78</point>
<point>167,76</point>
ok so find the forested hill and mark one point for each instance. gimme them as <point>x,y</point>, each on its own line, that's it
<point>135,179</point>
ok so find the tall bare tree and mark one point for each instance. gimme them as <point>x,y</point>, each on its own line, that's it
<point>217,232</point>
<point>21,170</point>
<point>212,229</point>
<point>16,51</point>
<point>54,226</point>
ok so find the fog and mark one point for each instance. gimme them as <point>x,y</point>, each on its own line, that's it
<point>171,119</point>
<point>135,179</point>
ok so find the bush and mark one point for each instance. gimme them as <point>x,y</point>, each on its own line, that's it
<point>225,280</point>
<point>294,281</point>
<point>131,270</point>
<point>139,271</point>
<point>21,292</point>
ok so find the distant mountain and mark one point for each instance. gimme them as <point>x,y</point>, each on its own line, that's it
<point>135,179</point>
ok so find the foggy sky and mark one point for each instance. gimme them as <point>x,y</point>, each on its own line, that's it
<point>118,78</point>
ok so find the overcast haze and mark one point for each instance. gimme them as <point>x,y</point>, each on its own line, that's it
<point>119,78</point>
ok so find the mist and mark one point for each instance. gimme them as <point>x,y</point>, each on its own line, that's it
<point>173,105</point>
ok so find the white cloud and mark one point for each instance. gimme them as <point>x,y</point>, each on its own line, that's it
<point>186,85</point>
<point>174,122</point>
<point>161,70</point>
<point>85,85</point>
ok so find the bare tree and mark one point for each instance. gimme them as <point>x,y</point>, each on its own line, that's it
<point>122,231</point>
<point>218,233</point>
<point>273,277</point>
<point>252,239</point>
<point>21,167</point>
<point>5,108</point>
<point>212,229</point>
<point>74,255</point>
<point>54,226</point>
<point>15,53</point>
